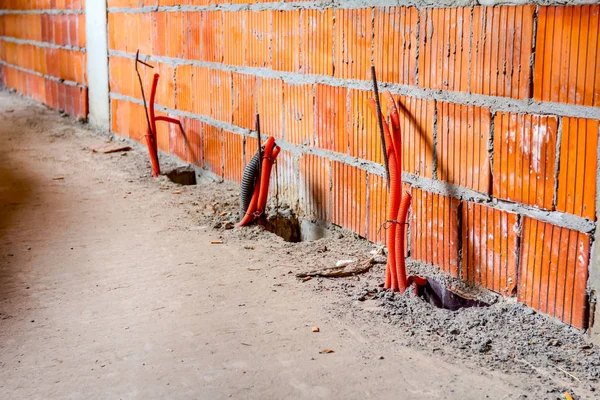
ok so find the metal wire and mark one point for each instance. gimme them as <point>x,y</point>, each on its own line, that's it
<point>387,224</point>
<point>137,60</point>
<point>381,131</point>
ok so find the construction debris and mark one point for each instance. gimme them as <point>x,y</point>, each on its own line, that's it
<point>344,270</point>
<point>109,148</point>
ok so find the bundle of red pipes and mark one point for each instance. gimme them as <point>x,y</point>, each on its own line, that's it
<point>395,277</point>
<point>258,203</point>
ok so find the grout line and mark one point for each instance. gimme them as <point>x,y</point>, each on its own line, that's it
<point>493,103</point>
<point>37,12</point>
<point>49,77</point>
<point>41,44</point>
<point>338,4</point>
<point>557,151</point>
<point>434,146</point>
<point>557,218</point>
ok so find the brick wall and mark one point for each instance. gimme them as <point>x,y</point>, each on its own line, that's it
<point>499,113</point>
<point>42,52</point>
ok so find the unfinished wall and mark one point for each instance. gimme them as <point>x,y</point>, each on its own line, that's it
<point>500,121</point>
<point>42,52</point>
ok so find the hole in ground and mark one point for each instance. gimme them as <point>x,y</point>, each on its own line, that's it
<point>182,176</point>
<point>438,295</point>
<point>286,225</point>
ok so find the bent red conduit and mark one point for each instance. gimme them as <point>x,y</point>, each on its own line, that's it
<point>264,189</point>
<point>153,141</point>
<point>391,281</point>
<point>151,118</point>
<point>261,190</point>
<point>398,206</point>
<point>400,241</point>
<point>400,218</point>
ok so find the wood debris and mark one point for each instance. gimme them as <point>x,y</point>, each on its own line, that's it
<point>355,268</point>
<point>110,148</point>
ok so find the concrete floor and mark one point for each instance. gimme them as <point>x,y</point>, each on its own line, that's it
<point>105,292</point>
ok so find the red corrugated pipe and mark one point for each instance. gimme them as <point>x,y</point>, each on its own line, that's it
<point>261,190</point>
<point>398,206</point>
<point>391,274</point>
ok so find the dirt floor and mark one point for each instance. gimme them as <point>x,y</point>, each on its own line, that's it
<point>110,288</point>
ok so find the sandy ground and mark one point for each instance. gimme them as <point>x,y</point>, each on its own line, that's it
<point>110,288</point>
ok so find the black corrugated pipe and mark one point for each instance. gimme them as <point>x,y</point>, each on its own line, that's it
<point>251,174</point>
<point>249,179</point>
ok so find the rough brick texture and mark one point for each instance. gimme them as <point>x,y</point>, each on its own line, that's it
<point>42,54</point>
<point>497,106</point>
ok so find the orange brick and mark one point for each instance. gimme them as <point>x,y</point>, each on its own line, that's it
<point>201,81</point>
<point>176,34</point>
<point>212,24</point>
<point>193,46</point>
<point>578,164</point>
<point>299,114</point>
<point>434,233</point>
<point>178,142</point>
<point>462,139</point>
<point>130,33</point>
<point>489,248</point>
<point>165,93</point>
<point>315,187</point>
<point>349,195</point>
<point>286,40</point>
<point>376,206</point>
<point>524,158</point>
<point>444,48</point>
<point>194,143</point>
<point>395,47</point>
<point>568,55</point>
<point>364,135</point>
<point>352,43</point>
<point>235,38</point>
<point>163,133</point>
<point>142,39</point>
<point>553,271</point>
<point>183,76</point>
<point>416,123</point>
<point>502,46</point>
<point>220,95</point>
<point>269,97</point>
<point>159,34</point>
<point>330,118</point>
<point>250,148</point>
<point>129,120</point>
<point>81,38</point>
<point>317,41</point>
<point>115,30</point>
<point>258,39</point>
<point>233,167</point>
<point>244,101</point>
<point>213,149</point>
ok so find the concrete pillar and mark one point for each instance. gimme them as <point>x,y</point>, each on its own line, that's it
<point>97,62</point>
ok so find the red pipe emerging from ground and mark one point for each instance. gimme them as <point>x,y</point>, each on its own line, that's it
<point>398,206</point>
<point>151,118</point>
<point>264,189</point>
<point>400,241</point>
<point>261,189</point>
<point>391,280</point>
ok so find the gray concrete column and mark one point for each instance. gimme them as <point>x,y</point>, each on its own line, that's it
<point>97,62</point>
